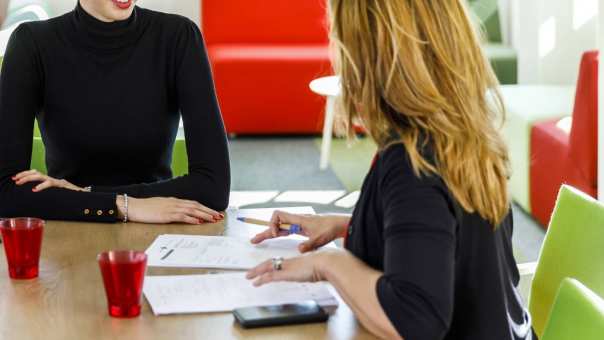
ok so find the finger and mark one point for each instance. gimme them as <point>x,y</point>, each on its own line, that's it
<point>311,244</point>
<point>268,234</point>
<point>25,173</point>
<point>273,276</point>
<point>198,214</point>
<point>260,269</point>
<point>31,178</point>
<point>282,217</point>
<point>44,185</point>
<point>184,218</point>
<point>199,206</point>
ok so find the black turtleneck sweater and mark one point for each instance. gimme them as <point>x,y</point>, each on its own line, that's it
<point>108,98</point>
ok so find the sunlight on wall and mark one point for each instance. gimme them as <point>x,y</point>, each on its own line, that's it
<point>583,12</point>
<point>547,37</point>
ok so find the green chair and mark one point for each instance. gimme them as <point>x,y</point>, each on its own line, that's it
<point>573,247</point>
<point>180,162</point>
<point>578,313</point>
<point>503,58</point>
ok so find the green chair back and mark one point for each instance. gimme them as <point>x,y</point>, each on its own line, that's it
<point>487,11</point>
<point>573,247</point>
<point>180,161</point>
<point>578,313</point>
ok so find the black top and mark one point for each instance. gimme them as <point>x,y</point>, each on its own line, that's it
<point>108,98</point>
<point>447,273</point>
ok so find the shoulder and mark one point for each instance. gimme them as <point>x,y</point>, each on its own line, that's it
<point>41,29</point>
<point>172,24</point>
<point>396,174</point>
<point>394,160</point>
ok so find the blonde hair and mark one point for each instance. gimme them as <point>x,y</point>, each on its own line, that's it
<point>414,70</point>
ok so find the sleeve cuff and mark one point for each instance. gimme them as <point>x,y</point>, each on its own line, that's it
<point>98,207</point>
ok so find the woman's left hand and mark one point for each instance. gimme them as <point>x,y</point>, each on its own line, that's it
<point>46,181</point>
<point>306,268</point>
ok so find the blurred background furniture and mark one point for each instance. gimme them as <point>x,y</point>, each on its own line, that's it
<point>330,88</point>
<point>525,106</point>
<point>572,248</point>
<point>503,57</point>
<point>578,313</point>
<point>264,53</point>
<point>564,150</point>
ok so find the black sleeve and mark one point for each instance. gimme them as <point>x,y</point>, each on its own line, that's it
<point>21,82</point>
<point>208,180</point>
<point>417,288</point>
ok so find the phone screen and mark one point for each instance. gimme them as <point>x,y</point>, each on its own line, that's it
<point>281,314</point>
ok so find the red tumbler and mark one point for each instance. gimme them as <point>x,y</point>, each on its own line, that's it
<point>22,238</point>
<point>123,275</point>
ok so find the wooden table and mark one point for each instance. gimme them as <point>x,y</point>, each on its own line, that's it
<point>67,301</point>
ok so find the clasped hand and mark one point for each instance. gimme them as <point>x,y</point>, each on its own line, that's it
<point>143,210</point>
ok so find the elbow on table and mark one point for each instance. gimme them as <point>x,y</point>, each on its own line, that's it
<point>214,197</point>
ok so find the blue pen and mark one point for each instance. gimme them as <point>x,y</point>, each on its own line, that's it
<point>292,228</point>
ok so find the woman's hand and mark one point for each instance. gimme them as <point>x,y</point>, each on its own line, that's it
<point>305,268</point>
<point>46,181</point>
<point>167,210</point>
<point>320,230</point>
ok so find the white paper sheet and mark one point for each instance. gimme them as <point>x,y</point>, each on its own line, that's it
<point>224,292</point>
<point>192,251</point>
<point>222,252</point>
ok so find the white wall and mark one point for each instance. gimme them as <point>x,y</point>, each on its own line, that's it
<point>550,37</point>
<point>188,8</point>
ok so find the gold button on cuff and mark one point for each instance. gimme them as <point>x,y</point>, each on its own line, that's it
<point>111,212</point>
<point>86,211</point>
<point>99,212</point>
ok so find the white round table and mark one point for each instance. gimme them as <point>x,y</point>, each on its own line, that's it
<point>330,88</point>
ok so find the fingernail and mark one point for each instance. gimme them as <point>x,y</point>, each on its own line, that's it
<point>34,190</point>
<point>221,215</point>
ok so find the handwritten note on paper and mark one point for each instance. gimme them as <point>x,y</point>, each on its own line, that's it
<point>225,292</point>
<point>219,252</point>
<point>222,252</point>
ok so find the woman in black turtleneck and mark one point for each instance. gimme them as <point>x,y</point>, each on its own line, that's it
<point>108,83</point>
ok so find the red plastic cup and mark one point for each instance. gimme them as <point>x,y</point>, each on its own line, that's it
<point>22,238</point>
<point>123,275</point>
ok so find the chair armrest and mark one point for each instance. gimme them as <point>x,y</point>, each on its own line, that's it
<point>528,268</point>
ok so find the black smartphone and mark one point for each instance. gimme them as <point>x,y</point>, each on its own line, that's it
<point>290,314</point>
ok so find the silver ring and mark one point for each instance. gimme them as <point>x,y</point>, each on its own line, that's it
<point>277,263</point>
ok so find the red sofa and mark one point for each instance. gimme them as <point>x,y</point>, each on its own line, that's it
<point>264,54</point>
<point>567,157</point>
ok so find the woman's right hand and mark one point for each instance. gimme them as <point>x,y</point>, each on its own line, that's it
<point>320,230</point>
<point>164,210</point>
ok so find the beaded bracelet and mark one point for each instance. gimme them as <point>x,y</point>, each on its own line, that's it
<point>125,208</point>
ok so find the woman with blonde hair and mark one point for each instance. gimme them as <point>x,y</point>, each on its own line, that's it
<point>429,250</point>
